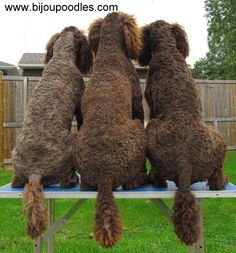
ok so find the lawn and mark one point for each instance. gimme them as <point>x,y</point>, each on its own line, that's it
<point>145,229</point>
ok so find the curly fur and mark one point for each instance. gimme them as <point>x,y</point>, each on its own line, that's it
<point>109,134</point>
<point>49,47</point>
<point>145,54</point>
<point>131,35</point>
<point>186,217</point>
<point>83,52</point>
<point>45,145</point>
<point>94,34</point>
<point>107,229</point>
<point>181,39</point>
<point>180,146</point>
<point>34,209</point>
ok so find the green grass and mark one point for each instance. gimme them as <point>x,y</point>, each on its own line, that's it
<point>145,229</point>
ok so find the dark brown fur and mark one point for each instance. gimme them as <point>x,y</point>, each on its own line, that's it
<point>43,152</point>
<point>180,146</point>
<point>111,142</point>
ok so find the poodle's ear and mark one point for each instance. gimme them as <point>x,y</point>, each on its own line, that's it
<point>49,47</point>
<point>145,55</point>
<point>84,54</point>
<point>94,34</point>
<point>181,39</point>
<point>132,36</point>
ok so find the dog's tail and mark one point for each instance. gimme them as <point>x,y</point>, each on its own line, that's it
<point>107,228</point>
<point>34,207</point>
<point>186,216</point>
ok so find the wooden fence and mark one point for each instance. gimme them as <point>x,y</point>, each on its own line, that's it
<point>218,103</point>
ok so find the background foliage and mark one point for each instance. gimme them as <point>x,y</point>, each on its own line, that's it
<point>220,61</point>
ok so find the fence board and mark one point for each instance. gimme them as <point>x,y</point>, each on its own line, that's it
<point>218,99</point>
<point>232,101</point>
<point>13,101</point>
<point>31,86</point>
<point>211,110</point>
<point>10,136</point>
<point>1,120</point>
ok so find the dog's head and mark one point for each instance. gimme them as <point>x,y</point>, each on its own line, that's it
<point>158,31</point>
<point>126,26</point>
<point>83,52</point>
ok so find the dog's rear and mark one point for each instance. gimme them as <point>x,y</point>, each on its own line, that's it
<point>43,152</point>
<point>111,145</point>
<point>180,146</point>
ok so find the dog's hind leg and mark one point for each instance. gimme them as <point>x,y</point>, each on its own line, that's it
<point>156,178</point>
<point>18,181</point>
<point>217,181</point>
<point>84,186</point>
<point>140,180</point>
<point>69,180</point>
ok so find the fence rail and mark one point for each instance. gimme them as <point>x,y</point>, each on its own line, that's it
<point>218,100</point>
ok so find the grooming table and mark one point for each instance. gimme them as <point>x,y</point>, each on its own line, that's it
<point>155,194</point>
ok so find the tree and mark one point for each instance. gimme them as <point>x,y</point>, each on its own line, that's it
<point>220,62</point>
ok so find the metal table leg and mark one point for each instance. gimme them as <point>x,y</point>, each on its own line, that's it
<point>198,247</point>
<point>201,236</point>
<point>163,208</point>
<point>37,245</point>
<point>54,227</point>
<point>191,249</point>
<point>51,218</point>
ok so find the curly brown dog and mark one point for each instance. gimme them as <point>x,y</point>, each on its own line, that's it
<point>111,142</point>
<point>180,146</point>
<point>44,149</point>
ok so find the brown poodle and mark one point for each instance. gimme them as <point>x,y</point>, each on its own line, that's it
<point>43,152</point>
<point>111,141</point>
<point>180,146</point>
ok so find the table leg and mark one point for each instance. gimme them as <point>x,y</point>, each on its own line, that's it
<point>166,211</point>
<point>37,245</point>
<point>201,236</point>
<point>51,218</point>
<point>55,227</point>
<point>191,249</point>
<point>198,247</point>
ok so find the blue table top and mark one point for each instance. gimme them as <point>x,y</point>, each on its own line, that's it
<point>201,186</point>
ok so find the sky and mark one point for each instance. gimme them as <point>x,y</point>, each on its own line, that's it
<point>28,32</point>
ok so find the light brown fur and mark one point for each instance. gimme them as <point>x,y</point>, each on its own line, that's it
<point>43,154</point>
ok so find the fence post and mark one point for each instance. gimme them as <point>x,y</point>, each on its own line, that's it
<point>25,96</point>
<point>1,121</point>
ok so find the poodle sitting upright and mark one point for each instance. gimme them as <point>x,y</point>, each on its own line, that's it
<point>111,142</point>
<point>43,152</point>
<point>180,146</point>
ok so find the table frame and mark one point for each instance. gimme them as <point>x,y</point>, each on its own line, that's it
<point>155,194</point>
